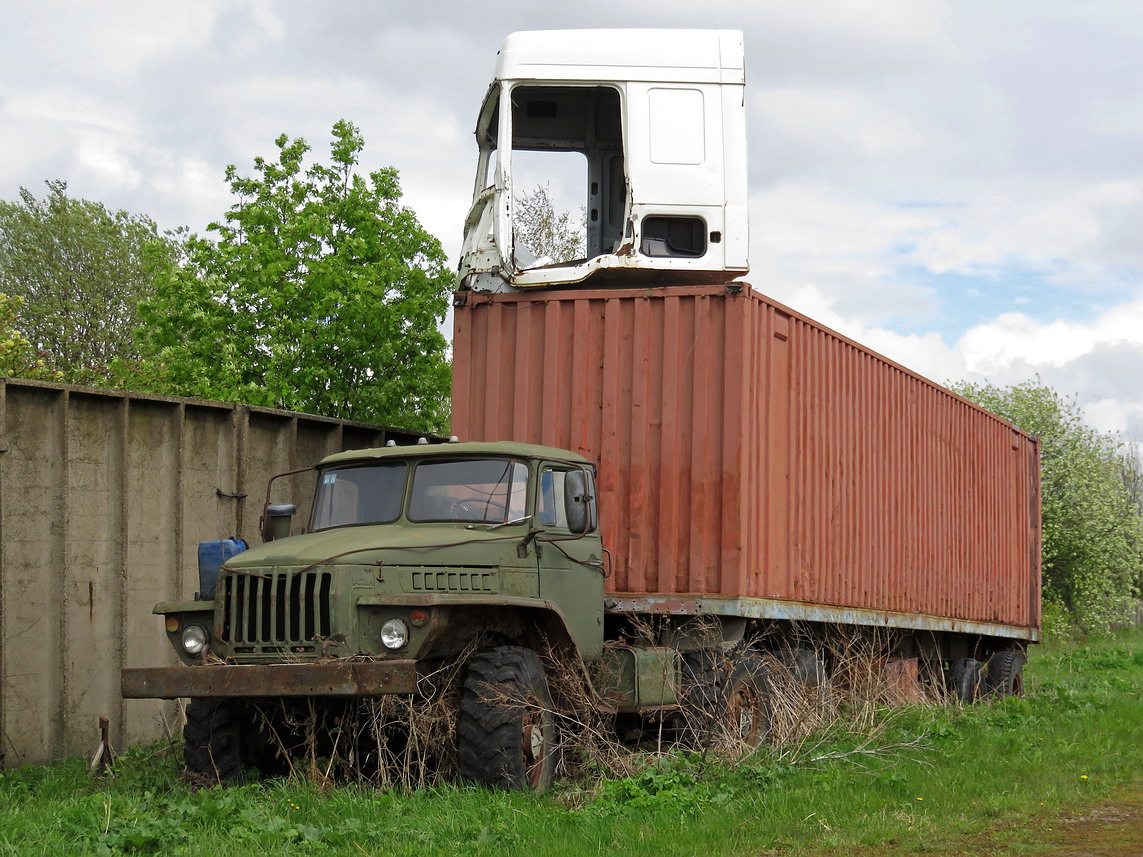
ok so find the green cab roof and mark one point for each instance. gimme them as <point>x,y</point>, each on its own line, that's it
<point>443,450</point>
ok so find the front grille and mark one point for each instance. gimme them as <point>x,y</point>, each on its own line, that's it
<point>275,608</point>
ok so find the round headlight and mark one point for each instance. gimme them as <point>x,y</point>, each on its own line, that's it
<point>394,634</point>
<point>194,639</point>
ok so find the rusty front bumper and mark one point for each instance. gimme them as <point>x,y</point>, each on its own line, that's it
<point>336,678</point>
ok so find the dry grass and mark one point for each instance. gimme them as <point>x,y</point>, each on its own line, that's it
<point>410,742</point>
<point>393,741</point>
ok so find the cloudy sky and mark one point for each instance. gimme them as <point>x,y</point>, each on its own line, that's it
<point>958,185</point>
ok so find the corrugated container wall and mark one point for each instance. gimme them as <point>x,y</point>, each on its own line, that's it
<point>747,451</point>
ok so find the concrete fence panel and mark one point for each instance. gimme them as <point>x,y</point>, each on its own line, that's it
<point>104,498</point>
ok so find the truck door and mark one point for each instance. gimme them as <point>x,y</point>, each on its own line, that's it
<point>570,563</point>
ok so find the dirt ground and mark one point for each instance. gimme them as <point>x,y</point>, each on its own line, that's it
<point>1112,828</point>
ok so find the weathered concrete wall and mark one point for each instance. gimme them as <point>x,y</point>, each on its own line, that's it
<point>104,498</point>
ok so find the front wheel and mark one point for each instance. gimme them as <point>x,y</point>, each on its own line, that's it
<point>212,746</point>
<point>726,699</point>
<point>506,732</point>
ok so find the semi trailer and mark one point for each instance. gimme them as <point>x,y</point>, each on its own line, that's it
<point>668,482</point>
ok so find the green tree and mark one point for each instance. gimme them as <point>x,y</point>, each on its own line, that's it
<point>322,293</point>
<point>1092,523</point>
<point>17,357</point>
<point>551,236</point>
<point>80,271</point>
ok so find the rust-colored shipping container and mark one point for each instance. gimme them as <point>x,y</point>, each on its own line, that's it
<point>754,462</point>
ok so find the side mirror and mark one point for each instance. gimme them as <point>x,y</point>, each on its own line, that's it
<point>276,520</point>
<point>577,503</point>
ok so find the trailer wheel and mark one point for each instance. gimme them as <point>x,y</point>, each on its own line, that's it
<point>212,747</point>
<point>964,679</point>
<point>725,698</point>
<point>1005,674</point>
<point>805,666</point>
<point>703,697</point>
<point>748,700</point>
<point>506,732</point>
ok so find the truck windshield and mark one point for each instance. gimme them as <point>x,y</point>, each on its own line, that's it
<point>492,491</point>
<point>365,494</point>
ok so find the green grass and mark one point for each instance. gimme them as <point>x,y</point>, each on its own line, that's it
<point>986,770</point>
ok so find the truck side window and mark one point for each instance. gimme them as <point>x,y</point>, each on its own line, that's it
<point>551,511</point>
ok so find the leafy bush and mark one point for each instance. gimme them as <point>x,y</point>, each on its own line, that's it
<point>1092,520</point>
<point>78,271</point>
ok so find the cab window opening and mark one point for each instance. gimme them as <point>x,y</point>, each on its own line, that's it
<point>588,192</point>
<point>551,508</point>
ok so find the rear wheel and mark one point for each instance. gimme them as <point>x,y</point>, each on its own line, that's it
<point>806,667</point>
<point>1005,674</point>
<point>703,697</point>
<point>964,679</point>
<point>748,712</point>
<point>506,732</point>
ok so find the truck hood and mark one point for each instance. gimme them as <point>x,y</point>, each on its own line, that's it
<point>389,544</point>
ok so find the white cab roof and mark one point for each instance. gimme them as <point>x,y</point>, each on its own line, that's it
<point>698,56</point>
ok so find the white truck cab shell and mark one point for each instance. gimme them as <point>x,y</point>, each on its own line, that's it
<point>659,118</point>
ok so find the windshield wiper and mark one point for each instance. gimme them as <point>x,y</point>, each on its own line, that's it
<point>488,527</point>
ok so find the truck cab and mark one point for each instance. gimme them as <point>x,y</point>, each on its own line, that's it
<point>404,544</point>
<point>636,137</point>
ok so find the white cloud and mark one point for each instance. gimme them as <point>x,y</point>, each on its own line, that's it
<point>988,235</point>
<point>841,119</point>
<point>272,26</point>
<point>1111,414</point>
<point>69,106</point>
<point>844,249</point>
<point>115,40</point>
<point>1012,342</point>
<point>982,140</point>
<point>108,162</point>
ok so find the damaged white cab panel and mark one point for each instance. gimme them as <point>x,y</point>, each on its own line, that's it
<point>627,161</point>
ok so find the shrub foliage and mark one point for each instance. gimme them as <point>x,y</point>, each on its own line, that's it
<point>1092,520</point>
<point>76,271</point>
